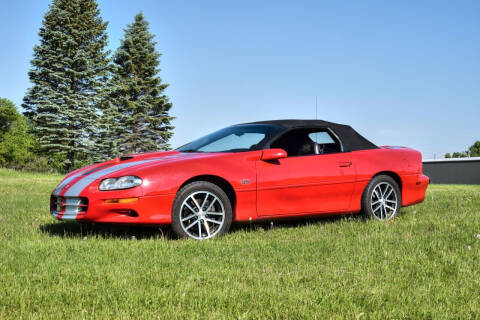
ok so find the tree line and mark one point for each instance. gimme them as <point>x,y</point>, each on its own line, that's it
<point>473,151</point>
<point>86,104</point>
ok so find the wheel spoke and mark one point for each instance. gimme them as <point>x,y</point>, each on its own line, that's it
<point>191,225</point>
<point>374,203</point>
<point>189,217</point>
<point>211,204</point>
<point>195,201</point>
<point>387,191</point>
<point>215,213</point>
<point>205,224</point>
<point>388,195</point>
<point>199,228</point>
<point>393,209</point>
<point>391,201</point>
<point>378,207</point>
<point>213,221</point>
<point>189,207</point>
<point>205,200</point>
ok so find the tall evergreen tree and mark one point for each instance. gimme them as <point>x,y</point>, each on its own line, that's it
<point>142,104</point>
<point>68,72</point>
<point>107,136</point>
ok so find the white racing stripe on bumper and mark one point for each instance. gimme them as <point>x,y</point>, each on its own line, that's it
<point>68,216</point>
<point>70,208</point>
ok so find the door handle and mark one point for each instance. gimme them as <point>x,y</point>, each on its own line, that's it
<point>345,164</point>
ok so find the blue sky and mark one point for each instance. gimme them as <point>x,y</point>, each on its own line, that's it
<point>400,72</point>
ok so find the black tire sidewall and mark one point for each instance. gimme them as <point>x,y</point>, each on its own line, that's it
<point>367,195</point>
<point>196,186</point>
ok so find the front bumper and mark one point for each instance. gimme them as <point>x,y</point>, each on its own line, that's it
<point>150,210</point>
<point>68,208</point>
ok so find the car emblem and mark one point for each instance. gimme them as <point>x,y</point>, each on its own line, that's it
<point>245,181</point>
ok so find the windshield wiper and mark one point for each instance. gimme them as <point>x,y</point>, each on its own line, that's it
<point>191,151</point>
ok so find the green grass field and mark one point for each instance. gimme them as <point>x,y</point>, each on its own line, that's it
<point>425,264</point>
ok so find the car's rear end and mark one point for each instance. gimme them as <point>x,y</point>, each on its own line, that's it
<point>409,166</point>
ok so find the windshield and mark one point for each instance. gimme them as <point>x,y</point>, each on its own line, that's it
<point>237,138</point>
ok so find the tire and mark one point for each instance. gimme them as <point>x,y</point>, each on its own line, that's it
<point>382,198</point>
<point>201,210</point>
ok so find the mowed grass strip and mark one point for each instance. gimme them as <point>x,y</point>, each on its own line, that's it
<point>424,264</point>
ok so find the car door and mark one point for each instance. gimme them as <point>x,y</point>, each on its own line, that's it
<point>305,183</point>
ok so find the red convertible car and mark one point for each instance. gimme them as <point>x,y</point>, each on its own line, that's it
<point>246,172</point>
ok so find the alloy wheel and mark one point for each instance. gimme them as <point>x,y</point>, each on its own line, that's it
<point>202,215</point>
<point>384,201</point>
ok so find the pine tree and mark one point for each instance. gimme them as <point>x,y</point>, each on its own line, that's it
<point>108,133</point>
<point>146,124</point>
<point>68,72</point>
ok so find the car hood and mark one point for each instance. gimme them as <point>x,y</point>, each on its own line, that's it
<point>77,180</point>
<point>136,160</point>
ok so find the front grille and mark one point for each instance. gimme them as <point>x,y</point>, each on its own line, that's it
<point>68,207</point>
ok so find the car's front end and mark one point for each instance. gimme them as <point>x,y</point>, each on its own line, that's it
<point>109,208</point>
<point>109,193</point>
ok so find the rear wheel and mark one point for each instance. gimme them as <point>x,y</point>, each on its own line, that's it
<point>382,198</point>
<point>201,210</point>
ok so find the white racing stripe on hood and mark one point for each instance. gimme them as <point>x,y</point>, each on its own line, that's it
<point>78,187</point>
<point>59,188</point>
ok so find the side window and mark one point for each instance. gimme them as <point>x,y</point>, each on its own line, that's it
<point>321,137</point>
<point>308,141</point>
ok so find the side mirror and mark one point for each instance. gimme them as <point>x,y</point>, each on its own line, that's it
<point>273,154</point>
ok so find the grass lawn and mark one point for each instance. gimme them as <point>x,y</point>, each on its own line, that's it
<point>424,264</point>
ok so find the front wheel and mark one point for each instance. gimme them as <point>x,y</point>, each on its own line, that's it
<point>201,210</point>
<point>382,198</point>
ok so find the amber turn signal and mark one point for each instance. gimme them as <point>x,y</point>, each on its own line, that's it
<point>125,200</point>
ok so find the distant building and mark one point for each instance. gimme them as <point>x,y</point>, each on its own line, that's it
<point>453,170</point>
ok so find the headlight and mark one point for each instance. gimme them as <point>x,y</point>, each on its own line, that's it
<point>125,182</point>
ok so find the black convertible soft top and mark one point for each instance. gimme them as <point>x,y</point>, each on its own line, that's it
<point>351,139</point>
